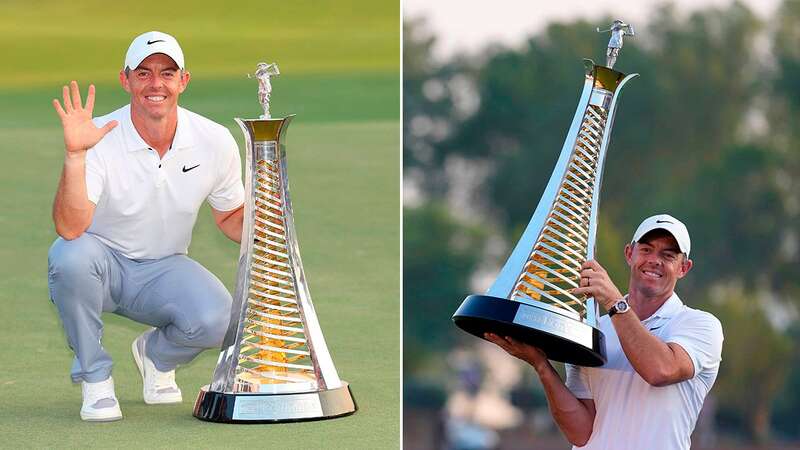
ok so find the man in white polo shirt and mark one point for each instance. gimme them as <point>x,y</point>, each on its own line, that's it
<point>663,356</point>
<point>130,190</point>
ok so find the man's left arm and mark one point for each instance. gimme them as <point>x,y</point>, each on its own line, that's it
<point>228,191</point>
<point>230,222</point>
<point>657,362</point>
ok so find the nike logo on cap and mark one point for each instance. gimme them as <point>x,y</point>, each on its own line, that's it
<point>663,221</point>
<point>190,168</point>
<point>153,42</point>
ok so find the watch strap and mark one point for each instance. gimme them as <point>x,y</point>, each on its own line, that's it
<point>613,310</point>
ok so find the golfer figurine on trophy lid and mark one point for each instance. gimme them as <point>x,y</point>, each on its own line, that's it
<point>531,300</point>
<point>274,365</point>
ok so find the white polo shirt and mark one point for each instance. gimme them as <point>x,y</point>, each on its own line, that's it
<point>631,414</point>
<point>147,206</point>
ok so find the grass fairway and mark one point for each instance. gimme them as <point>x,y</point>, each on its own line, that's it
<point>345,189</point>
<point>343,153</point>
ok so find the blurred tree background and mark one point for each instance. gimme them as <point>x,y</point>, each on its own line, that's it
<point>710,132</point>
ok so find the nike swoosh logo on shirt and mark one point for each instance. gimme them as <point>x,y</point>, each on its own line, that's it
<point>190,168</point>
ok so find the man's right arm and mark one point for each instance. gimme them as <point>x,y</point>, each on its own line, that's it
<point>574,416</point>
<point>72,209</point>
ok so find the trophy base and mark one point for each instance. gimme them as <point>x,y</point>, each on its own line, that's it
<point>560,337</point>
<point>240,407</point>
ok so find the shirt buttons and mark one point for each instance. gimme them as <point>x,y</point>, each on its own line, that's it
<point>160,178</point>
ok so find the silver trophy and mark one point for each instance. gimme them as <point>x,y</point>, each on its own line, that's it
<point>531,299</point>
<point>274,365</point>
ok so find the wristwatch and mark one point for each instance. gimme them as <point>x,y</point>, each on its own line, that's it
<point>620,307</point>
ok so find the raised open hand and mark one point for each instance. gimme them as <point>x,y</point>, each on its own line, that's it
<point>80,133</point>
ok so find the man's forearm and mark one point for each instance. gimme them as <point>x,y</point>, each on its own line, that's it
<point>573,417</point>
<point>654,360</point>
<point>72,210</point>
<point>231,224</point>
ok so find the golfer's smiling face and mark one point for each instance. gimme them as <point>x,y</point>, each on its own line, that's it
<point>155,86</point>
<point>656,264</point>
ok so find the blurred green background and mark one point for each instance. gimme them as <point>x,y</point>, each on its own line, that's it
<point>339,65</point>
<point>709,133</point>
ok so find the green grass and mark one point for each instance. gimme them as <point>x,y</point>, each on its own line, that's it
<point>340,65</point>
<point>344,182</point>
<point>46,41</point>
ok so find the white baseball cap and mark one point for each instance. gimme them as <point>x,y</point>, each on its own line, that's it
<point>668,223</point>
<point>152,42</point>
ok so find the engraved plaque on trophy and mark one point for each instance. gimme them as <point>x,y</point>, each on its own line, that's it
<point>274,365</point>
<point>531,299</point>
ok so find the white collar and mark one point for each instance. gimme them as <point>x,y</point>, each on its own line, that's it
<point>670,307</point>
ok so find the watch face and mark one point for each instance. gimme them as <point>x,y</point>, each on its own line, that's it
<point>622,306</point>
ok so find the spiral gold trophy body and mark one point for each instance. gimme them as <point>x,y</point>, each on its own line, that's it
<point>274,365</point>
<point>531,299</point>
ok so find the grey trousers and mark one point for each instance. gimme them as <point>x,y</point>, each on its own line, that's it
<point>187,304</point>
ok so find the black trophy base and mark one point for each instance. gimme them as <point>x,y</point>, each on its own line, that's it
<point>241,407</point>
<point>560,337</point>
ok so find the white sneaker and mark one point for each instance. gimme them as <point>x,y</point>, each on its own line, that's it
<point>159,387</point>
<point>99,402</point>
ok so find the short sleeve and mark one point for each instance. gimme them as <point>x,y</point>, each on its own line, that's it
<point>577,381</point>
<point>228,192</point>
<point>700,335</point>
<point>95,176</point>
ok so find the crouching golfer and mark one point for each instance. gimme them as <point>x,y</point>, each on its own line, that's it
<point>131,187</point>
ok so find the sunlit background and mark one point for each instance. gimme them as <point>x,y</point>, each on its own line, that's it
<point>708,133</point>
